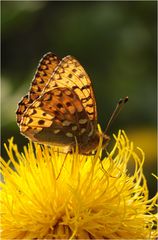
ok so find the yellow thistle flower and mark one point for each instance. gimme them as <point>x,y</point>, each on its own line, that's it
<point>47,194</point>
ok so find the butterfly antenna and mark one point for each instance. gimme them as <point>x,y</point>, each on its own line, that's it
<point>116,111</point>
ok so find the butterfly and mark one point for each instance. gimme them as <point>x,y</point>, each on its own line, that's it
<point>60,107</point>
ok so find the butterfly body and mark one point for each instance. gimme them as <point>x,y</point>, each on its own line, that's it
<point>60,108</point>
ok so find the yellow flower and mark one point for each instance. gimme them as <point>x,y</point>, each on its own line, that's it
<point>46,194</point>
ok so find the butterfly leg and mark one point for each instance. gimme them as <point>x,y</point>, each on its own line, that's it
<point>62,165</point>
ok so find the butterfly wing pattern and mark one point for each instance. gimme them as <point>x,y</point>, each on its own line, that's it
<point>60,107</point>
<point>44,71</point>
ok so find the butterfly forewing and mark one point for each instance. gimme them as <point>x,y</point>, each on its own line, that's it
<point>44,71</point>
<point>22,106</point>
<point>69,73</point>
<point>43,74</point>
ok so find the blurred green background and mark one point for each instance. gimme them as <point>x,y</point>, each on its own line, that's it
<point>114,41</point>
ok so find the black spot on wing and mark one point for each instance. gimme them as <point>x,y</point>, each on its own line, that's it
<point>41,122</point>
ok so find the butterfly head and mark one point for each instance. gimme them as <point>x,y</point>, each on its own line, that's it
<point>93,143</point>
<point>105,139</point>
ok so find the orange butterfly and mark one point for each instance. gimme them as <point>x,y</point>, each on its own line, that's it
<point>60,107</point>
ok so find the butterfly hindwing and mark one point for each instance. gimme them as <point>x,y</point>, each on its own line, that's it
<point>57,117</point>
<point>43,74</point>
